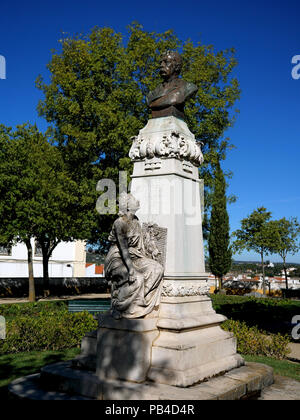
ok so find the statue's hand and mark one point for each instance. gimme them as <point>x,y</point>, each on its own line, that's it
<point>131,276</point>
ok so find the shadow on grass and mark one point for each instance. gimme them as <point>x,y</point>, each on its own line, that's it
<point>13,366</point>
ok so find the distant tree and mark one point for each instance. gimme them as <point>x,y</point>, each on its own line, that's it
<point>16,224</point>
<point>256,235</point>
<point>286,240</point>
<point>38,197</point>
<point>296,273</point>
<point>95,100</point>
<point>220,255</point>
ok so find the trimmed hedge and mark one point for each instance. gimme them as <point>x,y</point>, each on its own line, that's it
<point>46,331</point>
<point>12,310</point>
<point>268,314</point>
<point>49,325</point>
<point>18,287</point>
<point>253,342</point>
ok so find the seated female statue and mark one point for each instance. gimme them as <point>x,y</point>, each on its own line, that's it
<point>136,279</point>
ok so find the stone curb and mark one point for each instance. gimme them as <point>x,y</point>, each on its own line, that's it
<point>241,383</point>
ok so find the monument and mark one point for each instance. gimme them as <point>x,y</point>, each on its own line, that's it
<point>161,339</point>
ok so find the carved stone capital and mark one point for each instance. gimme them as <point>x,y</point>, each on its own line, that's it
<point>166,145</point>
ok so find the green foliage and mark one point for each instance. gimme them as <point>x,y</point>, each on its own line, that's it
<point>95,100</point>
<point>287,234</point>
<point>281,367</point>
<point>254,234</point>
<point>46,331</point>
<point>12,310</point>
<point>39,198</point>
<point>33,184</point>
<point>260,234</point>
<point>248,319</point>
<point>286,239</point>
<point>273,315</point>
<point>220,256</point>
<point>295,273</point>
<point>251,341</point>
<point>255,268</point>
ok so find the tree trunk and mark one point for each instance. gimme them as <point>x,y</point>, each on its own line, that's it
<point>285,274</point>
<point>48,247</point>
<point>31,296</point>
<point>220,279</point>
<point>263,274</point>
<point>46,287</point>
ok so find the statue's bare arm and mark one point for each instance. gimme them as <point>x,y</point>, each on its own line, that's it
<point>122,242</point>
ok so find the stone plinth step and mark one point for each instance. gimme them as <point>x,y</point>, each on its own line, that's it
<point>241,383</point>
<point>29,388</point>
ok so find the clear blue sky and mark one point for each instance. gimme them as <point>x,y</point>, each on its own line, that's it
<point>266,36</point>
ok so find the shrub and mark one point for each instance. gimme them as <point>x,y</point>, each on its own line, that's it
<point>46,331</point>
<point>272,315</point>
<point>230,291</point>
<point>33,309</point>
<point>253,342</point>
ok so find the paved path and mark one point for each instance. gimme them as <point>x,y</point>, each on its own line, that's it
<point>87,296</point>
<point>282,389</point>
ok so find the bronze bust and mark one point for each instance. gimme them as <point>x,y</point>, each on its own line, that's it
<point>169,98</point>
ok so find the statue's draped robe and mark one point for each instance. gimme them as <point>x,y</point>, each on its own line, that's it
<point>139,298</point>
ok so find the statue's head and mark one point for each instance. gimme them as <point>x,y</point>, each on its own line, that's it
<point>170,64</point>
<point>128,204</point>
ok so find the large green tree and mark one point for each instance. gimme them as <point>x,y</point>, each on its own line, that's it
<point>220,255</point>
<point>39,199</point>
<point>256,234</point>
<point>286,239</point>
<point>95,100</point>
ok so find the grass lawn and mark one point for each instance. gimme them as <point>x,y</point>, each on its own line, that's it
<point>281,367</point>
<point>13,366</point>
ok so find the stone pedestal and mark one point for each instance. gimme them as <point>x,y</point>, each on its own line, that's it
<point>124,348</point>
<point>167,185</point>
<point>191,345</point>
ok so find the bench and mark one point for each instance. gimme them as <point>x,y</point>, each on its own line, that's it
<point>92,306</point>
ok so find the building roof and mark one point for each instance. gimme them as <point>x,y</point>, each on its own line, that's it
<point>99,269</point>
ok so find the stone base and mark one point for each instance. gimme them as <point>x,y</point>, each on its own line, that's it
<point>62,382</point>
<point>124,348</point>
<point>191,346</point>
<point>183,346</point>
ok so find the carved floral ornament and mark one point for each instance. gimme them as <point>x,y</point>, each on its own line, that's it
<point>172,145</point>
<point>181,290</point>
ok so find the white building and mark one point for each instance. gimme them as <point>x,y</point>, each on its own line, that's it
<point>67,260</point>
<point>94,270</point>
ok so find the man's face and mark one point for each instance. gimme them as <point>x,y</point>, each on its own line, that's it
<point>167,67</point>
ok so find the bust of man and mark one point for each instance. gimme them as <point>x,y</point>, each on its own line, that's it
<point>169,97</point>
